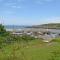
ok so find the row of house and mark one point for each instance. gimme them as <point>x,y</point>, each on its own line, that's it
<point>45,35</point>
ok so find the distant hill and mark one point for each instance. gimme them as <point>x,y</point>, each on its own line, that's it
<point>49,26</point>
<point>13,26</point>
<point>16,26</point>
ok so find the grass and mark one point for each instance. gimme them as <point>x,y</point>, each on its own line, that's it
<point>31,50</point>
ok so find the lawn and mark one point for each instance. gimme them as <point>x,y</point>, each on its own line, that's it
<point>31,50</point>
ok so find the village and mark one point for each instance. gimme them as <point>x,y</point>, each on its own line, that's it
<point>46,34</point>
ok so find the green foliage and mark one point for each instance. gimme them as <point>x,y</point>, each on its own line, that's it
<point>10,39</point>
<point>50,26</point>
<point>2,29</point>
<point>25,47</point>
<point>55,55</point>
<point>56,40</point>
<point>32,51</point>
<point>27,38</point>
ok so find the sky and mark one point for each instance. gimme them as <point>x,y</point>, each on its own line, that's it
<point>29,12</point>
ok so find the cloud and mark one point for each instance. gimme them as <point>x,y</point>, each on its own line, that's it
<point>52,20</point>
<point>48,0</point>
<point>43,1</point>
<point>20,0</point>
<point>15,6</point>
<point>12,5</point>
<point>8,12</point>
<point>46,20</point>
<point>39,2</point>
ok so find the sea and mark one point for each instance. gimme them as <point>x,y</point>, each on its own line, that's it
<point>14,27</point>
<point>17,27</point>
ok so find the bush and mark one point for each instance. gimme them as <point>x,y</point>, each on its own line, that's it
<point>56,40</point>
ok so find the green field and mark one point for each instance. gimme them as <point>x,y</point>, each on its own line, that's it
<point>31,50</point>
<point>27,48</point>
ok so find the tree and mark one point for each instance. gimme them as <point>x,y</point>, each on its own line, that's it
<point>2,29</point>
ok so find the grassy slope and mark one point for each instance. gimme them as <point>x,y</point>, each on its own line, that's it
<point>34,50</point>
<point>51,25</point>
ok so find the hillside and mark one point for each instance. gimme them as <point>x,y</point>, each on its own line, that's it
<point>50,26</point>
<point>14,47</point>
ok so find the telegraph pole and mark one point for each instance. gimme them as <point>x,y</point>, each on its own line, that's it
<point>1,20</point>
